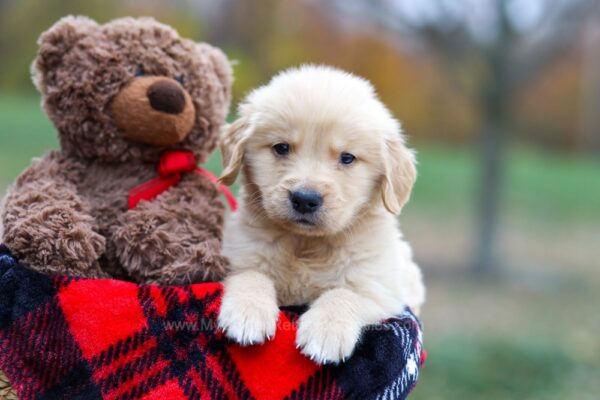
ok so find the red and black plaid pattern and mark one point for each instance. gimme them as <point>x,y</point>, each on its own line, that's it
<point>65,338</point>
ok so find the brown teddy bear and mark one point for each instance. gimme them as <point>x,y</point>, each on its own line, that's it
<point>120,95</point>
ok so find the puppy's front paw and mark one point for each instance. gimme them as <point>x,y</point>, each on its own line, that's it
<point>327,337</point>
<point>248,321</point>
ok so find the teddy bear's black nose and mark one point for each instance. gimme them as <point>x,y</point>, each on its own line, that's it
<point>166,96</point>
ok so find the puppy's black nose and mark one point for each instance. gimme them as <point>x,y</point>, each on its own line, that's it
<point>166,96</point>
<point>306,201</point>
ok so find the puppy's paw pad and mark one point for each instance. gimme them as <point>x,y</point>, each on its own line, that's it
<point>248,322</point>
<point>325,339</point>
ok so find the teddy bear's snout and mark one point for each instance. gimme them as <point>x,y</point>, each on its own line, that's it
<point>154,110</point>
<point>166,96</point>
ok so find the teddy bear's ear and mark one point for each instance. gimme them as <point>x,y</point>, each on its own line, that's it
<point>55,43</point>
<point>221,66</point>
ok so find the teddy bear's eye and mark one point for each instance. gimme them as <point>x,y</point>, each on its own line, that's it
<point>180,79</point>
<point>139,71</point>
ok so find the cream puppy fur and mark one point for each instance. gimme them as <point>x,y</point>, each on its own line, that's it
<point>325,171</point>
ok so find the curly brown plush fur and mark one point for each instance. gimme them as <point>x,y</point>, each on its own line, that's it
<point>67,213</point>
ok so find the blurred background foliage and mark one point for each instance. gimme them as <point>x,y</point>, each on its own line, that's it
<point>501,99</point>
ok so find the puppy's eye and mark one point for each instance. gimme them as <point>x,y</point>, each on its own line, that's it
<point>347,158</point>
<point>281,149</point>
<point>180,79</point>
<point>139,71</point>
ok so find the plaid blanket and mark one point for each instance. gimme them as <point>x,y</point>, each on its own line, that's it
<point>68,338</point>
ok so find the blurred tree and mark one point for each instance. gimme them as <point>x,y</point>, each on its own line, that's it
<point>512,41</point>
<point>266,36</point>
<point>558,89</point>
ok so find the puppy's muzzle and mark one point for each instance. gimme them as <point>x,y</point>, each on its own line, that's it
<point>306,201</point>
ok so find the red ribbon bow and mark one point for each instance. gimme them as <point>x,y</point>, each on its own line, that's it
<point>170,168</point>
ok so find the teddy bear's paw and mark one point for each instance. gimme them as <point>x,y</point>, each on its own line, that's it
<point>206,264</point>
<point>156,251</point>
<point>142,248</point>
<point>326,338</point>
<point>202,265</point>
<point>56,241</point>
<point>79,249</point>
<point>83,243</point>
<point>248,320</point>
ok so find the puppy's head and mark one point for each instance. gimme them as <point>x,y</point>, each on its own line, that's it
<point>318,149</point>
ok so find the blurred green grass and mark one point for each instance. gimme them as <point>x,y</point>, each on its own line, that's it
<point>544,187</point>
<point>522,368</point>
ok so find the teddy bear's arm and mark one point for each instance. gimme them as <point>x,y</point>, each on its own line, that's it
<point>176,237</point>
<point>45,221</point>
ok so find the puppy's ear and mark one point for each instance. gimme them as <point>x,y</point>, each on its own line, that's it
<point>233,140</point>
<point>399,176</point>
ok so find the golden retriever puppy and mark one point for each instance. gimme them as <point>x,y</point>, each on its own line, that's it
<point>325,172</point>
